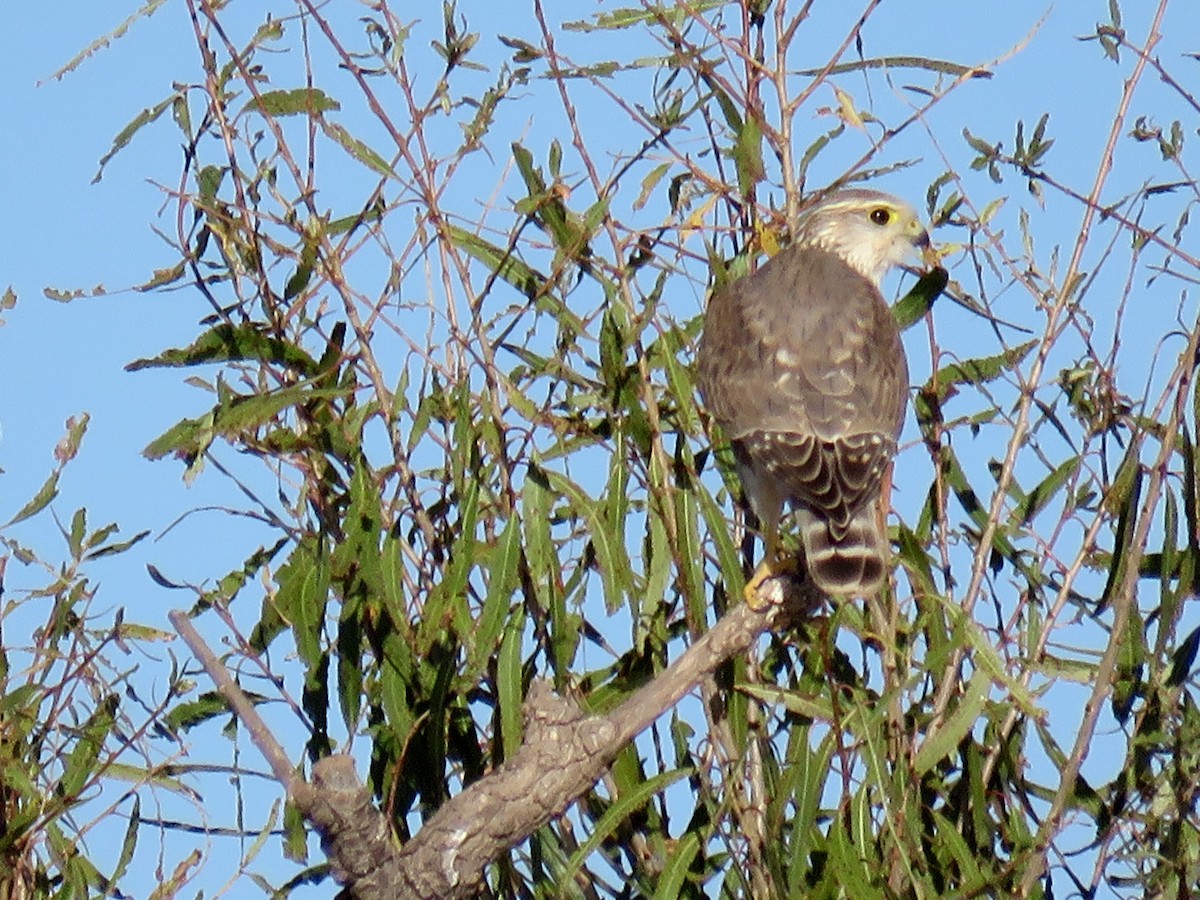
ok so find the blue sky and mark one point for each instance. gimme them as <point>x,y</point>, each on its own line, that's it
<point>59,230</point>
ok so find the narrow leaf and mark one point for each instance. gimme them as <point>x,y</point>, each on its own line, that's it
<point>983,369</point>
<point>504,263</point>
<point>360,151</point>
<point>226,343</point>
<point>913,306</point>
<point>510,684</point>
<point>126,134</point>
<point>622,808</point>
<point>943,742</point>
<point>43,498</point>
<point>503,576</point>
<point>1045,490</point>
<point>299,101</point>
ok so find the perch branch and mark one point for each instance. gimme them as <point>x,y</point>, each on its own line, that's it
<point>565,751</point>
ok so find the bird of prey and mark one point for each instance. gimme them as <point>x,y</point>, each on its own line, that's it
<point>801,365</point>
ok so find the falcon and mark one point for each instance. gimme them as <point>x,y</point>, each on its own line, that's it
<point>801,365</point>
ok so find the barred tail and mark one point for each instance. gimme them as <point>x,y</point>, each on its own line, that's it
<point>844,559</point>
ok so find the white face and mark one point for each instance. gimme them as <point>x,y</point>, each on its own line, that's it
<point>871,230</point>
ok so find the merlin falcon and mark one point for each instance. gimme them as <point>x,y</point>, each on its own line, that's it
<point>801,365</point>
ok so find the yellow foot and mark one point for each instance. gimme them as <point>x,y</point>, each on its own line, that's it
<point>764,572</point>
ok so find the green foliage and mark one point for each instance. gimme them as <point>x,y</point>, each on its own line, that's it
<point>67,718</point>
<point>458,387</point>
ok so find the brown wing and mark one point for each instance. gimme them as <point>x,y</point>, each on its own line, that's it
<point>802,365</point>
<point>805,345</point>
<point>835,479</point>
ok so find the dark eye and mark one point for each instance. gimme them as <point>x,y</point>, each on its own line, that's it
<point>881,216</point>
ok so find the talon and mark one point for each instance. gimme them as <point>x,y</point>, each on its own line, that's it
<point>768,569</point>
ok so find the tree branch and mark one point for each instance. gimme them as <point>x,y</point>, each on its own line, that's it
<point>565,751</point>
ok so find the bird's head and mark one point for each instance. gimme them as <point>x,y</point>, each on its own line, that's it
<point>870,230</point>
